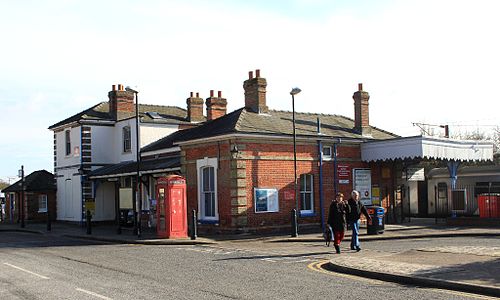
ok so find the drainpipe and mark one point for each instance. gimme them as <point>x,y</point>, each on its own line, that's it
<point>320,156</point>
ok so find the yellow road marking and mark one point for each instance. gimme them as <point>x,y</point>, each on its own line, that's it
<point>318,267</point>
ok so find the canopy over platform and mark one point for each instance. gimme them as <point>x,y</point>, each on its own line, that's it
<point>424,147</point>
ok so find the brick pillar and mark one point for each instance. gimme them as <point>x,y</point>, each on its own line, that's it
<point>216,106</point>
<point>361,117</point>
<point>255,93</point>
<point>195,108</point>
<point>239,217</point>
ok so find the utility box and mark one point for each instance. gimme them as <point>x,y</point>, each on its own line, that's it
<point>376,225</point>
<point>171,214</point>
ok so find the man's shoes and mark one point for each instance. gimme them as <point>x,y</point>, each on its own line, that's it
<point>337,249</point>
<point>352,248</point>
<point>358,249</point>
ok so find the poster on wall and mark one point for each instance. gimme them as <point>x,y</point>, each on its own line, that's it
<point>266,200</point>
<point>362,180</point>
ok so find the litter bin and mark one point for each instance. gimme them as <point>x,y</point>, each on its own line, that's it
<point>376,225</point>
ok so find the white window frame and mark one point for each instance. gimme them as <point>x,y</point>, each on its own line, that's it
<point>42,199</point>
<point>303,191</point>
<point>326,156</point>
<point>67,142</point>
<point>124,140</point>
<point>200,165</point>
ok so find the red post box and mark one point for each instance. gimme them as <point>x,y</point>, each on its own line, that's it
<point>171,212</point>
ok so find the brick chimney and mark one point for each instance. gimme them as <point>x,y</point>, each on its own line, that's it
<point>255,93</point>
<point>361,120</point>
<point>195,108</point>
<point>216,106</point>
<point>121,102</point>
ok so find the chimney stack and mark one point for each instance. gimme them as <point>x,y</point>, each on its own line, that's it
<point>121,102</point>
<point>255,93</point>
<point>195,108</point>
<point>361,112</point>
<point>216,106</point>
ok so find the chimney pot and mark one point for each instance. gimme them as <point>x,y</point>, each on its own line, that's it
<point>250,75</point>
<point>360,86</point>
<point>197,95</point>
<point>219,94</point>
<point>191,94</point>
<point>257,73</point>
<point>113,87</point>
<point>211,93</point>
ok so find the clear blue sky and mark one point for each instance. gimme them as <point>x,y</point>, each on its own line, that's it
<point>421,61</point>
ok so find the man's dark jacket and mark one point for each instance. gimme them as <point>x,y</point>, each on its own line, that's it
<point>356,208</point>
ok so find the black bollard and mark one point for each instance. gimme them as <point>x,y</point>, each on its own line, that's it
<point>49,224</point>
<point>194,223</point>
<point>89,224</point>
<point>295,229</point>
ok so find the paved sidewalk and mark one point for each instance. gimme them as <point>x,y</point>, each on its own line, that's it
<point>468,269</point>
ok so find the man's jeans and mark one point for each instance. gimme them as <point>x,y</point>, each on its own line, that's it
<point>355,234</point>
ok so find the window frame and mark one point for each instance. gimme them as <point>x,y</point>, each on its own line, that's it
<point>42,198</point>
<point>325,156</point>
<point>201,165</point>
<point>67,142</point>
<point>303,192</point>
<point>126,139</point>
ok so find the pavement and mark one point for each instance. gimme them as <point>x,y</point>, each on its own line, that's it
<point>472,269</point>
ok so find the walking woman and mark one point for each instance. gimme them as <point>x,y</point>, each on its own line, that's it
<point>337,220</point>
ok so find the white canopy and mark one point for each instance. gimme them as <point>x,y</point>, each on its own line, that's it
<point>428,148</point>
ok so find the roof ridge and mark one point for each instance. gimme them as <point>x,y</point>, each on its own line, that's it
<point>307,113</point>
<point>237,125</point>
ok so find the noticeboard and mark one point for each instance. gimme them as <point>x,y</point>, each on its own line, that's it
<point>362,180</point>
<point>266,200</point>
<point>126,198</point>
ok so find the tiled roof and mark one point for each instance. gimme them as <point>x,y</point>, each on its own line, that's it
<point>37,181</point>
<point>274,123</point>
<point>100,112</point>
<point>128,167</point>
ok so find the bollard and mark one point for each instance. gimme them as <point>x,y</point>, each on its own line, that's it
<point>89,224</point>
<point>49,225</point>
<point>194,223</point>
<point>295,229</point>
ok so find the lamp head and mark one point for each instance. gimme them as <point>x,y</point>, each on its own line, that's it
<point>129,89</point>
<point>295,91</point>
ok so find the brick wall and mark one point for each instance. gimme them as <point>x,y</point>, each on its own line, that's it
<point>268,165</point>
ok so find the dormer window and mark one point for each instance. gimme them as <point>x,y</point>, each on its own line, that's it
<point>127,143</point>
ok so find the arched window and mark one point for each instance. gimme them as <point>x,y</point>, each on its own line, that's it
<point>207,189</point>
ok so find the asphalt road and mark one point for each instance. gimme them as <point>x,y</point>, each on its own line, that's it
<point>40,267</point>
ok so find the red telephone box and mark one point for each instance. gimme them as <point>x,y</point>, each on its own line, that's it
<point>171,207</point>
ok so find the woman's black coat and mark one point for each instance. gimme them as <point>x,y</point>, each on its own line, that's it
<point>336,216</point>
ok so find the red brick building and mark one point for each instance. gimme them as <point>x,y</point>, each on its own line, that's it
<point>39,197</point>
<point>239,167</point>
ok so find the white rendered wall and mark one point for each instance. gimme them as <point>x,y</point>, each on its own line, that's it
<point>153,132</point>
<point>73,158</point>
<point>103,145</point>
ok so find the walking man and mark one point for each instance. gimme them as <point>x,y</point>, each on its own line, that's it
<point>355,210</point>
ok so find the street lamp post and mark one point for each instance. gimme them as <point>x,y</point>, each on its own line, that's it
<point>21,204</point>
<point>137,210</point>
<point>294,92</point>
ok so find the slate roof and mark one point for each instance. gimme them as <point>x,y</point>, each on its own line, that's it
<point>100,112</point>
<point>275,123</point>
<point>37,181</point>
<point>129,167</point>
